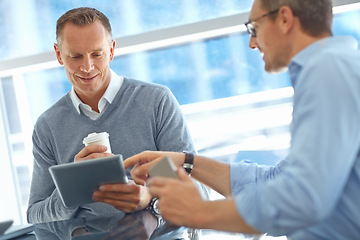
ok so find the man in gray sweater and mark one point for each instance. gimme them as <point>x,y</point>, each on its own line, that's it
<point>138,116</point>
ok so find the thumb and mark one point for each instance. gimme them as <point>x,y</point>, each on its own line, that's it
<point>140,170</point>
<point>183,175</point>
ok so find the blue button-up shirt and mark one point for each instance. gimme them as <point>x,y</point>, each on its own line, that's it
<point>315,192</point>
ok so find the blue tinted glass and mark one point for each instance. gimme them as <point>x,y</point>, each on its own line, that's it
<point>35,20</point>
<point>44,89</point>
<point>202,71</point>
<point>196,72</point>
<point>11,107</point>
<point>347,24</point>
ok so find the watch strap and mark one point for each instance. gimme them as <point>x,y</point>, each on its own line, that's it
<point>189,162</point>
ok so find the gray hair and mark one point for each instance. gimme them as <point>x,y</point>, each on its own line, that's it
<point>315,15</point>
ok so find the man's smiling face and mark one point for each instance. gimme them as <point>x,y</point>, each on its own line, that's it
<point>86,52</point>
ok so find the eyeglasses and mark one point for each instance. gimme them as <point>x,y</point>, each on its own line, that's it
<point>250,24</point>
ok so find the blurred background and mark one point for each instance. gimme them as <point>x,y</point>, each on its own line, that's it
<point>198,48</point>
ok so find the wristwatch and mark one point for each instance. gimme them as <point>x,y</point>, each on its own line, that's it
<point>189,162</point>
<point>153,207</point>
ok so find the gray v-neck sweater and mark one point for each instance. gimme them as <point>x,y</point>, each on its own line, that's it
<point>143,116</point>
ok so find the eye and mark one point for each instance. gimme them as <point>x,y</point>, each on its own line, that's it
<point>97,54</point>
<point>75,56</point>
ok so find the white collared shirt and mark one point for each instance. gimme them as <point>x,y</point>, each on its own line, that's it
<point>109,95</point>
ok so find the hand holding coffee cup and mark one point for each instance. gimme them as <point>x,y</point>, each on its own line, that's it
<point>98,139</point>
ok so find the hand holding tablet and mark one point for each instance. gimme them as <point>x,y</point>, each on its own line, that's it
<point>77,181</point>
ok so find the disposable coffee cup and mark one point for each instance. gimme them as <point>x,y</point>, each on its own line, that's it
<point>98,139</point>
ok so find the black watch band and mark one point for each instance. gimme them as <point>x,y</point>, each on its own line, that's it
<point>189,162</point>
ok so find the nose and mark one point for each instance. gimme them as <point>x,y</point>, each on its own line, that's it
<point>87,65</point>
<point>252,43</point>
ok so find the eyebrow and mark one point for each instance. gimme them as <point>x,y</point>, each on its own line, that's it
<point>96,50</point>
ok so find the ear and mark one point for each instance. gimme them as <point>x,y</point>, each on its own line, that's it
<point>58,54</point>
<point>112,50</point>
<point>287,18</point>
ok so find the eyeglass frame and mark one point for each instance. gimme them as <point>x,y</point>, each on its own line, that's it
<point>249,24</point>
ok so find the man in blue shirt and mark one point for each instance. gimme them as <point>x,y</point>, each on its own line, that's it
<point>315,192</point>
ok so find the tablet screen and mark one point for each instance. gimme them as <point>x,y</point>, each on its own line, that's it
<point>77,181</point>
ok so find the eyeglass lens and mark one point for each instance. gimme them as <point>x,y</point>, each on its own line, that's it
<point>250,29</point>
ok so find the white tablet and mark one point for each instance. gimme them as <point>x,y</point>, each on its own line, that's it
<point>77,181</point>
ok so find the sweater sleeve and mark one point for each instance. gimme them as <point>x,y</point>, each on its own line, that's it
<point>172,131</point>
<point>45,204</point>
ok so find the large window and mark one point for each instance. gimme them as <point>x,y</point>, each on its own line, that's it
<point>30,25</point>
<point>229,102</point>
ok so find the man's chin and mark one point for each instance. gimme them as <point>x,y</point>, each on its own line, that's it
<point>275,69</point>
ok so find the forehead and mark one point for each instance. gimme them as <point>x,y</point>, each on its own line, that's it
<point>82,38</point>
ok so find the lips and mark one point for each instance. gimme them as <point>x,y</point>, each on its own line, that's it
<point>87,79</point>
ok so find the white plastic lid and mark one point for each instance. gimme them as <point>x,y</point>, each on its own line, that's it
<point>93,137</point>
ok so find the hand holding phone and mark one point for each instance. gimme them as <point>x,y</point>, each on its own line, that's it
<point>164,168</point>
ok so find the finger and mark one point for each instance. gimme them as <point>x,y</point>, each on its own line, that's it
<point>136,160</point>
<point>183,175</point>
<point>141,158</point>
<point>124,206</point>
<point>141,180</point>
<point>92,151</point>
<point>155,191</point>
<point>130,187</point>
<point>158,181</point>
<point>94,156</point>
<point>117,196</point>
<point>141,171</point>
<point>131,197</point>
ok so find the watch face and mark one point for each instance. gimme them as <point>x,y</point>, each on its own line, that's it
<point>156,207</point>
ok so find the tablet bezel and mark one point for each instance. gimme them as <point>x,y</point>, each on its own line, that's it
<point>76,181</point>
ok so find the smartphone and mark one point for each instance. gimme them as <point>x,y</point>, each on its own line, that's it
<point>164,168</point>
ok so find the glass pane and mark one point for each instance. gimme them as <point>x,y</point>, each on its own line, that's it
<point>202,71</point>
<point>44,88</point>
<point>15,144</point>
<point>347,24</point>
<point>11,107</point>
<point>126,16</point>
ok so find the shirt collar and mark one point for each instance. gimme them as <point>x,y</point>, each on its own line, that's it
<point>114,86</point>
<point>109,95</point>
<point>340,43</point>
